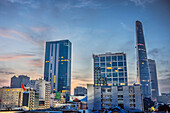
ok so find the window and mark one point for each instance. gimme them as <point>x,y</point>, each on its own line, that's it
<point>120,96</point>
<point>103,90</point>
<point>114,69</point>
<point>120,58</point>
<point>121,74</point>
<point>125,69</point>
<point>120,68</point>
<point>108,70</point>
<point>114,74</point>
<point>102,75</point>
<point>96,64</point>
<point>120,88</point>
<point>96,59</point>
<point>114,58</point>
<point>124,63</point>
<point>109,75</point>
<point>115,80</point>
<point>120,63</point>
<point>102,69</point>
<point>102,64</point>
<point>108,58</point>
<point>102,59</point>
<point>121,105</point>
<point>108,64</point>
<point>121,80</point>
<point>109,80</point>
<point>114,63</point>
<point>108,90</point>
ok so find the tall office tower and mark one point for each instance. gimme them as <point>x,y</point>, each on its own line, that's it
<point>57,68</point>
<point>17,81</point>
<point>143,76</point>
<point>110,69</point>
<point>153,75</point>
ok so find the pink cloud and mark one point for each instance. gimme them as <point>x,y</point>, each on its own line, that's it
<point>13,57</point>
<point>17,35</point>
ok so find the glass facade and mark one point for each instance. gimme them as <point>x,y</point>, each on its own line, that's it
<point>154,81</point>
<point>112,67</point>
<point>143,76</point>
<point>57,67</point>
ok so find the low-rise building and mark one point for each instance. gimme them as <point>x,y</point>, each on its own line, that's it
<point>11,98</point>
<point>108,97</point>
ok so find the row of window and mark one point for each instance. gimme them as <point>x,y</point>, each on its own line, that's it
<point>109,58</point>
<point>122,80</point>
<point>110,64</point>
<point>113,70</point>
<point>116,74</point>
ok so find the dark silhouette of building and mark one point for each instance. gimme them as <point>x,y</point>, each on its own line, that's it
<point>16,82</point>
<point>80,91</point>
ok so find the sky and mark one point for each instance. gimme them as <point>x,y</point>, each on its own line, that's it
<point>93,27</point>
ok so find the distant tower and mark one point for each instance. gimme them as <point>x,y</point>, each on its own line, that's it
<point>57,69</point>
<point>17,81</point>
<point>143,76</point>
<point>154,81</point>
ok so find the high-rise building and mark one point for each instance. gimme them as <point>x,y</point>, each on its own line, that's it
<point>80,91</point>
<point>110,69</point>
<point>154,80</point>
<point>143,76</point>
<point>57,68</point>
<point>17,81</point>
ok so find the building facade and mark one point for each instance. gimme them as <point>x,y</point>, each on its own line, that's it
<point>106,97</point>
<point>43,88</point>
<point>30,100</point>
<point>154,80</point>
<point>17,81</point>
<point>57,68</point>
<point>110,69</point>
<point>143,76</point>
<point>80,91</point>
<point>10,98</point>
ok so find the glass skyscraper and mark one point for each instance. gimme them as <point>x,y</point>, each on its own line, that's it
<point>57,67</point>
<point>143,76</point>
<point>153,75</point>
<point>110,69</point>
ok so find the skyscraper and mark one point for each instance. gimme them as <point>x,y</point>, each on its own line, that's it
<point>110,69</point>
<point>57,68</point>
<point>153,75</point>
<point>143,76</point>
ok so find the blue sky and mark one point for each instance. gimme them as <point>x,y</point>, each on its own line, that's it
<point>93,26</point>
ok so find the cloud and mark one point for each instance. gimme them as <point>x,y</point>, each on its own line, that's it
<point>153,52</point>
<point>40,29</point>
<point>14,34</point>
<point>141,2</point>
<point>4,71</point>
<point>14,57</point>
<point>126,27</point>
<point>36,62</point>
